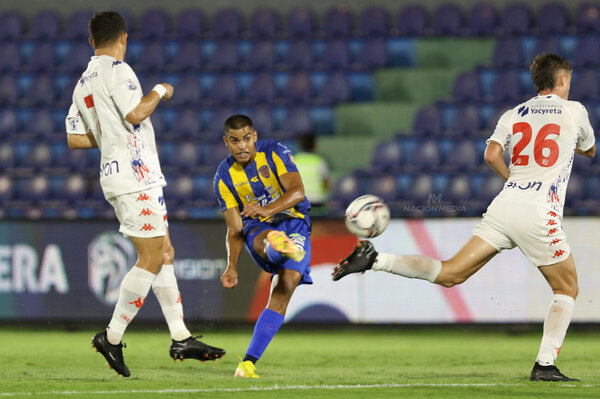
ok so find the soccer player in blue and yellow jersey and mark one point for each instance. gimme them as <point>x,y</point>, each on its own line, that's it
<point>262,197</point>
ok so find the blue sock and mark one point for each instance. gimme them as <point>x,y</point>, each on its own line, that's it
<point>267,325</point>
<point>274,257</point>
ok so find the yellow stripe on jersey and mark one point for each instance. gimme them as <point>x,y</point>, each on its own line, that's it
<point>241,184</point>
<point>230,201</point>
<point>281,169</point>
<point>270,183</point>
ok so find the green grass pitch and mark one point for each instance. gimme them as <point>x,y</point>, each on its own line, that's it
<point>436,362</point>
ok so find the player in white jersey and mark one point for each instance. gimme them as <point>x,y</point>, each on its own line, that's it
<point>110,112</point>
<point>542,135</point>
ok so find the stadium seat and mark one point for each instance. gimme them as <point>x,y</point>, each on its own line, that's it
<point>491,186</point>
<point>362,86</point>
<point>467,121</point>
<point>41,124</point>
<point>153,58</point>
<point>576,190</point>
<point>338,21</point>
<point>7,157</point>
<point>424,156</point>
<point>585,85</point>
<point>77,58</point>
<point>227,23</point>
<point>428,121</point>
<point>413,20</point>
<point>264,23</point>
<point>261,56</point>
<point>72,189</point>
<point>10,57</point>
<point>587,52</point>
<point>458,189</point>
<point>43,57</point>
<point>447,20</point>
<point>587,19</point>
<point>482,20</point>
<point>217,152</point>
<point>34,189</point>
<point>387,156</point>
<point>262,120</point>
<point>552,18</point>
<point>46,25</point>
<point>9,123</point>
<point>384,186</point>
<point>154,24</point>
<point>300,22</point>
<point>9,93</point>
<point>77,26</point>
<point>7,189</point>
<point>374,21</point>
<point>516,19</point>
<point>297,121</point>
<point>506,86</point>
<point>190,24</point>
<point>421,189</point>
<point>545,44</point>
<point>188,56</point>
<point>299,55</point>
<point>224,90</point>
<point>41,92</point>
<point>345,190</point>
<point>186,157</point>
<point>466,88</point>
<point>298,88</point>
<point>372,54</point>
<point>464,157</point>
<point>225,56</point>
<point>336,55</point>
<point>262,90</point>
<point>12,24</point>
<point>180,189</point>
<point>189,92</point>
<point>507,52</point>
<point>335,89</point>
<point>187,123</point>
<point>215,123</point>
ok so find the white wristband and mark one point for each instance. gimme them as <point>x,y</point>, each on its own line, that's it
<point>160,90</point>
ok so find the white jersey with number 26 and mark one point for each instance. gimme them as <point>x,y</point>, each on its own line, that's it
<point>541,136</point>
<point>106,92</point>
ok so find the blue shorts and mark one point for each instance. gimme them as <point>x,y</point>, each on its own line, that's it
<point>298,230</point>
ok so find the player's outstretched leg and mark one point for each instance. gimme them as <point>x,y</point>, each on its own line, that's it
<point>191,348</point>
<point>360,260</point>
<point>281,243</point>
<point>548,373</point>
<point>112,353</point>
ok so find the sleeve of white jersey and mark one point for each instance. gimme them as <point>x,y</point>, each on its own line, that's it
<point>585,134</point>
<point>502,133</point>
<point>74,123</point>
<point>124,89</point>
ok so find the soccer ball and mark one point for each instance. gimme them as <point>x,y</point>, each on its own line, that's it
<point>367,216</point>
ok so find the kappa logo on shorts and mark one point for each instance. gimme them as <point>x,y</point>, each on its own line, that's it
<point>555,241</point>
<point>553,214</point>
<point>143,197</point>
<point>552,231</point>
<point>558,253</point>
<point>147,227</point>
<point>551,223</point>
<point>146,212</point>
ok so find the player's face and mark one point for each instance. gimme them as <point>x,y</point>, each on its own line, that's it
<point>241,144</point>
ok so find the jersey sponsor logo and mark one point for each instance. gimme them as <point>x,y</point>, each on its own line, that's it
<point>147,227</point>
<point>88,77</point>
<point>525,186</point>
<point>146,212</point>
<point>545,111</point>
<point>265,171</point>
<point>138,302</point>
<point>130,84</point>
<point>558,253</point>
<point>108,168</point>
<point>110,256</point>
<point>116,63</point>
<point>555,241</point>
<point>143,197</point>
<point>523,110</point>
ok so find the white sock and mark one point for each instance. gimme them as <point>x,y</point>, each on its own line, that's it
<point>411,266</point>
<point>134,289</point>
<point>166,290</point>
<point>556,323</point>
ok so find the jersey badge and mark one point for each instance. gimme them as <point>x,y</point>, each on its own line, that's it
<point>264,171</point>
<point>130,84</point>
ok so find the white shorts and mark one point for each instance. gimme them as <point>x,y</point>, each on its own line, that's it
<point>535,230</point>
<point>141,214</point>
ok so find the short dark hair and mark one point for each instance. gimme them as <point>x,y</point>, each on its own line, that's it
<point>106,27</point>
<point>545,69</point>
<point>307,142</point>
<point>236,122</point>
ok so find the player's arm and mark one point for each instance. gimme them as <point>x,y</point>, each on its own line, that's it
<point>81,141</point>
<point>148,103</point>
<point>493,157</point>
<point>294,193</point>
<point>589,153</point>
<point>235,244</point>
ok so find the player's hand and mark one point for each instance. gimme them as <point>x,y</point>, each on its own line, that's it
<point>229,278</point>
<point>169,92</point>
<point>254,210</point>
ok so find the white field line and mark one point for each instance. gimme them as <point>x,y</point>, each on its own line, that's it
<point>278,388</point>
